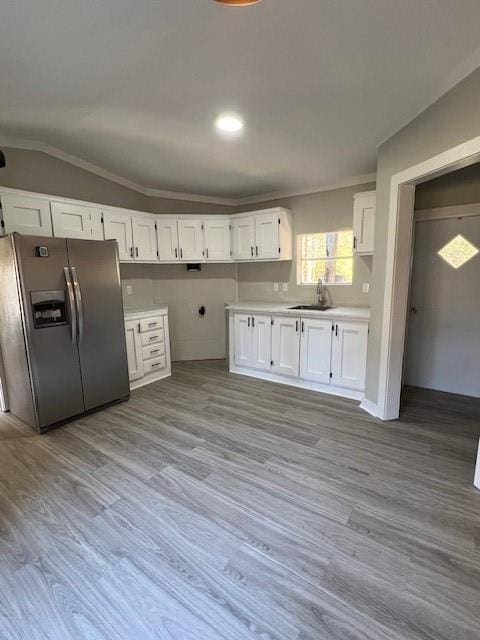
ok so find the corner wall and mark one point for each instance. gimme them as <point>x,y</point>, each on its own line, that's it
<point>318,212</point>
<point>448,122</point>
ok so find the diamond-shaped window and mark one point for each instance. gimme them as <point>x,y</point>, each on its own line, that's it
<point>458,251</point>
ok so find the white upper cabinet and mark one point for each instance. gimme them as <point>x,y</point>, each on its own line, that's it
<point>286,345</point>
<point>144,238</point>
<point>243,238</point>
<point>364,205</point>
<point>190,240</point>
<point>167,235</point>
<point>315,350</point>
<point>217,240</point>
<point>349,355</point>
<point>118,226</point>
<point>71,221</point>
<point>27,215</point>
<point>267,245</point>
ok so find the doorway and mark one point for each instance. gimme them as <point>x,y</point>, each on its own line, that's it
<point>443,342</point>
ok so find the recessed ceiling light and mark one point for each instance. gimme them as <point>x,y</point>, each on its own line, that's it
<point>229,123</point>
<point>238,3</point>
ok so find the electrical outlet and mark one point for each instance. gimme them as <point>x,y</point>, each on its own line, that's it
<point>275,286</point>
<point>366,287</point>
<point>285,286</point>
<point>129,289</point>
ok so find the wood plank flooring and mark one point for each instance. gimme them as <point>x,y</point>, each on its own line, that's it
<point>219,507</point>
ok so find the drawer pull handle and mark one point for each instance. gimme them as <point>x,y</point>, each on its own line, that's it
<point>153,338</point>
<point>156,364</point>
<point>152,324</point>
<point>154,351</point>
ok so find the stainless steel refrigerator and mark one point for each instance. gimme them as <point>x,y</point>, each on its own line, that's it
<point>62,332</point>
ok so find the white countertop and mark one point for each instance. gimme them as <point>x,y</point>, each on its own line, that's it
<point>150,309</point>
<point>274,308</point>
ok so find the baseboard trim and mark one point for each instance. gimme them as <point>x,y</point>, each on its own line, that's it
<point>136,384</point>
<point>370,407</point>
<point>331,390</point>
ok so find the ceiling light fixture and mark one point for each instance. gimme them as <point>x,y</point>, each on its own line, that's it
<point>229,123</point>
<point>238,3</point>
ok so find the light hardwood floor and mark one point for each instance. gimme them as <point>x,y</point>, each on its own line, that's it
<point>217,507</point>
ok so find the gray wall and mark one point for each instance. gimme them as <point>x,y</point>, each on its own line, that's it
<point>455,188</point>
<point>318,212</point>
<point>192,337</point>
<point>450,121</point>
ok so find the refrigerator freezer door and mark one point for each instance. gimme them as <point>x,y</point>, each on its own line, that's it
<point>101,331</point>
<point>52,356</point>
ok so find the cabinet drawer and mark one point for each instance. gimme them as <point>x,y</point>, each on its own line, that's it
<point>148,324</point>
<point>152,337</point>
<point>153,351</point>
<point>156,364</point>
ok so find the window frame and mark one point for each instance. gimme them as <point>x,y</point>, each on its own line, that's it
<point>300,259</point>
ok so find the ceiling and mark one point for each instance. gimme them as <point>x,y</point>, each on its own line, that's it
<point>133,87</point>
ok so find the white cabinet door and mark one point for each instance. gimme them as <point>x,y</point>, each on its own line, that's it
<point>349,355</point>
<point>364,223</point>
<point>242,339</point>
<point>118,226</point>
<point>316,350</point>
<point>286,345</point>
<point>243,238</point>
<point>261,342</point>
<point>71,221</point>
<point>266,234</point>
<point>167,235</point>
<point>190,240</point>
<point>144,238</point>
<point>217,239</point>
<point>134,350</point>
<point>30,216</point>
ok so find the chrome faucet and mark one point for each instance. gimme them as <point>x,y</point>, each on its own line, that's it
<point>322,300</point>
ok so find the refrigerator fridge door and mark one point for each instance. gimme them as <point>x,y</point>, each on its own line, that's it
<point>95,272</point>
<point>47,319</point>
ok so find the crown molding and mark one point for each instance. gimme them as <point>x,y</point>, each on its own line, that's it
<point>277,195</point>
<point>34,145</point>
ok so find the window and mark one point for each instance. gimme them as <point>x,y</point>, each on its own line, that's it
<point>328,256</point>
<point>458,251</point>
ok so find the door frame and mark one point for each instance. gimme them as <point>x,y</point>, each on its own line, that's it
<point>397,268</point>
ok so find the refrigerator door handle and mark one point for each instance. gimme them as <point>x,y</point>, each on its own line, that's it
<point>71,304</point>
<point>78,301</point>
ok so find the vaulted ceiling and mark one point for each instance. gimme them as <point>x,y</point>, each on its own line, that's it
<point>133,87</point>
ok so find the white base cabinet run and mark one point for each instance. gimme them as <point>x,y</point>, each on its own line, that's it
<point>322,354</point>
<point>148,346</point>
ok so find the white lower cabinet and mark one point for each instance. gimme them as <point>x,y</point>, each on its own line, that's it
<point>253,341</point>
<point>148,346</point>
<point>322,354</point>
<point>349,355</point>
<point>315,350</point>
<point>285,345</point>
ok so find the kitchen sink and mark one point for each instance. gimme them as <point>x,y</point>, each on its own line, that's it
<point>312,307</point>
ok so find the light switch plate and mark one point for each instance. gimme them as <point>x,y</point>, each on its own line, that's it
<point>129,289</point>
<point>275,286</point>
<point>366,287</point>
<point>285,286</point>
